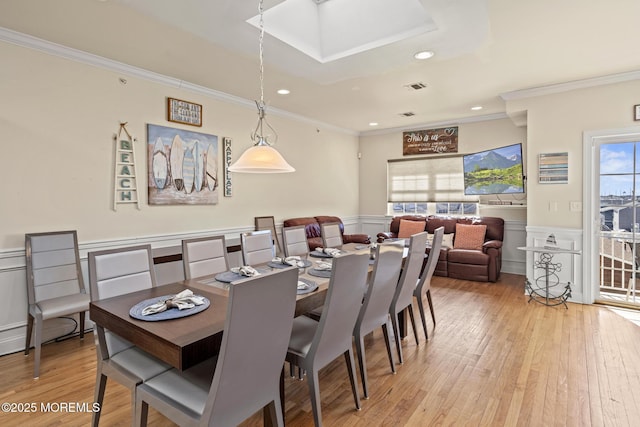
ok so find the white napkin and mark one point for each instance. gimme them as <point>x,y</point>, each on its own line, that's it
<point>183,300</point>
<point>302,285</point>
<point>294,261</point>
<point>245,270</point>
<point>329,251</point>
<point>322,265</point>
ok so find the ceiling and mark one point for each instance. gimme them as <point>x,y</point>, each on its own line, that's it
<point>483,49</point>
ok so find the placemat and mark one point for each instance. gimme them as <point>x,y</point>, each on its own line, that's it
<point>322,254</point>
<point>230,276</point>
<point>171,313</point>
<point>319,273</point>
<point>273,264</point>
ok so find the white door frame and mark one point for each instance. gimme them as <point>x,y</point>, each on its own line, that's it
<point>591,201</point>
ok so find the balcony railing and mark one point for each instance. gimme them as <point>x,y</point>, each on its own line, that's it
<point>619,268</point>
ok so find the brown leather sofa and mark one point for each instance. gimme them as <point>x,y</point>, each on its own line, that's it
<point>312,229</point>
<point>478,265</point>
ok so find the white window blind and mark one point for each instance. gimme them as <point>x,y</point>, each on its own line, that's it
<point>436,179</point>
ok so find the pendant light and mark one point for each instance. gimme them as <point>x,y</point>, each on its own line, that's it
<point>261,157</point>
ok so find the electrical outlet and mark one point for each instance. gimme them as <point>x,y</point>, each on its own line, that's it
<point>575,206</point>
<point>553,206</point>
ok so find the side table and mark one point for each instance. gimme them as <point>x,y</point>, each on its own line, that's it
<point>546,288</point>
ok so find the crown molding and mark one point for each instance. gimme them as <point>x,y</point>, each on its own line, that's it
<point>572,85</point>
<point>61,51</point>
<point>444,123</point>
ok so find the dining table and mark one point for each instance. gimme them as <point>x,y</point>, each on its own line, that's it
<point>186,341</point>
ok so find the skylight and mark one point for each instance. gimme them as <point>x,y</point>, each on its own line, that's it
<point>330,30</point>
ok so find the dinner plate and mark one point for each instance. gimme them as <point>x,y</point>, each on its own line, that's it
<point>168,314</point>
<point>311,286</point>
<point>274,264</point>
<point>319,273</point>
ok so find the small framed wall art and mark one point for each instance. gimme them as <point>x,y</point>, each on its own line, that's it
<point>553,168</point>
<point>188,113</point>
<point>636,112</point>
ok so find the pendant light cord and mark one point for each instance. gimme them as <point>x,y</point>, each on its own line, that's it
<point>258,135</point>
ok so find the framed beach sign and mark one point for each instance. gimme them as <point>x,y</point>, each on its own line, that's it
<point>182,167</point>
<point>188,113</point>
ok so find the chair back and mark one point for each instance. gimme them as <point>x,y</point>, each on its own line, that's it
<point>411,272</point>
<point>53,265</point>
<point>115,272</point>
<point>254,345</point>
<point>425,280</point>
<point>382,286</point>
<point>257,247</point>
<point>331,235</point>
<point>204,256</point>
<point>342,304</point>
<point>295,241</point>
<point>268,223</point>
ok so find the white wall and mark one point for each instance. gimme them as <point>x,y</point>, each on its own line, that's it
<point>57,121</point>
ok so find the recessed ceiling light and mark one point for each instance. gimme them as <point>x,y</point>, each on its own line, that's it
<point>284,91</point>
<point>476,107</point>
<point>373,124</point>
<point>425,54</point>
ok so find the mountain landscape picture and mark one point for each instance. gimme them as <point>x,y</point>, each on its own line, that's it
<point>496,171</point>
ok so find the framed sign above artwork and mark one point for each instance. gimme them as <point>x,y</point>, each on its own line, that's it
<point>430,141</point>
<point>185,112</point>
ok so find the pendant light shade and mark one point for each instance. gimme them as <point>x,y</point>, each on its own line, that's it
<point>262,157</point>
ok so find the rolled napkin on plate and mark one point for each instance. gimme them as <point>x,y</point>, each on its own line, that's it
<point>183,300</point>
<point>245,270</point>
<point>329,251</point>
<point>322,265</point>
<point>294,261</point>
<point>302,285</point>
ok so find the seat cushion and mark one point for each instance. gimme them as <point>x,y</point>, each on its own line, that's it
<point>467,256</point>
<point>189,388</point>
<point>469,236</point>
<point>304,329</point>
<point>139,363</point>
<point>61,306</point>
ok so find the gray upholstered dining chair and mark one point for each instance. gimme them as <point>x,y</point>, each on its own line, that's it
<point>268,223</point>
<point>246,375</point>
<point>257,247</point>
<point>295,242</point>
<point>331,235</point>
<point>403,298</point>
<point>374,312</point>
<point>424,284</point>
<point>115,272</point>
<point>204,256</point>
<point>55,287</point>
<point>314,344</point>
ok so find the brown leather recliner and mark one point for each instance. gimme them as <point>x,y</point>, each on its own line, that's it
<point>478,265</point>
<point>312,230</point>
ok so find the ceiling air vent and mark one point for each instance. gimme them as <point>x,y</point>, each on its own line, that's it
<point>407,114</point>
<point>415,86</point>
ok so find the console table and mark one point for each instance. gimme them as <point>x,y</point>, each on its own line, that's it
<point>546,288</point>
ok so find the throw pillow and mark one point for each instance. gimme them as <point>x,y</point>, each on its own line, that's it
<point>469,236</point>
<point>409,228</point>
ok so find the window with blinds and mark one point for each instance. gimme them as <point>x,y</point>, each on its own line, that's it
<point>432,179</point>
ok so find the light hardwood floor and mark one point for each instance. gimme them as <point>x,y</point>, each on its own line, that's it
<point>492,360</point>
